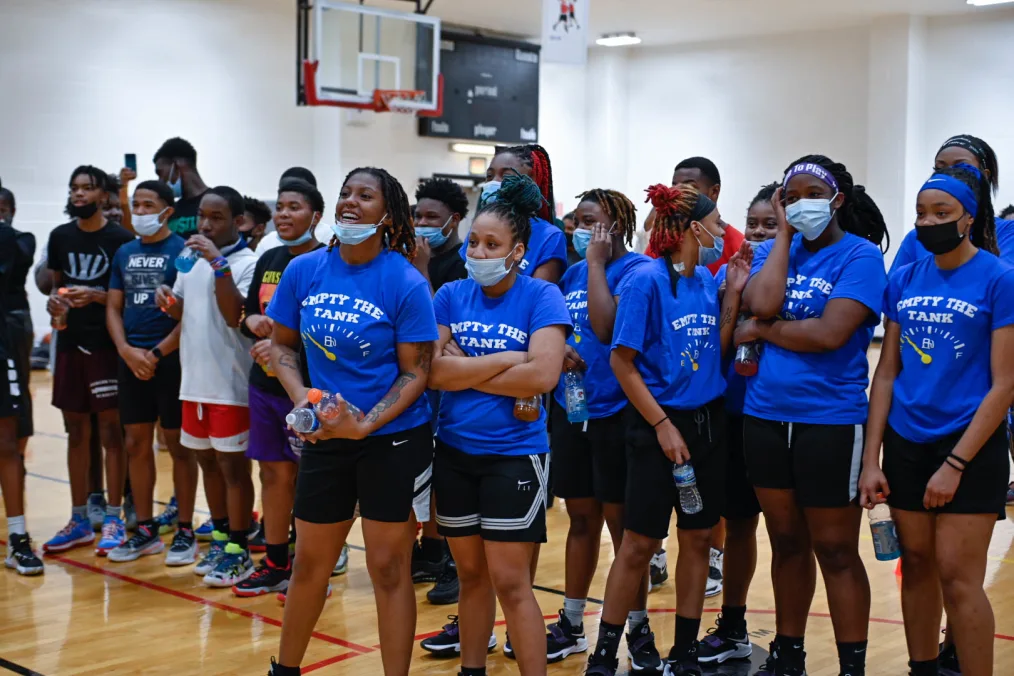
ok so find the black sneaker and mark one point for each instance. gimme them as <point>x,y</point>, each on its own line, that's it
<point>724,643</point>
<point>20,556</point>
<point>256,541</point>
<point>448,642</point>
<point>777,665</point>
<point>641,648</point>
<point>947,661</point>
<point>683,666</point>
<point>267,579</point>
<point>659,569</point>
<point>445,592</point>
<point>768,668</point>
<point>601,666</point>
<point>427,570</point>
<point>563,639</point>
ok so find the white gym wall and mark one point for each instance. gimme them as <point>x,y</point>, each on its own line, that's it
<point>86,81</point>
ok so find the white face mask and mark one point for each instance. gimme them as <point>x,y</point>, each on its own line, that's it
<point>147,225</point>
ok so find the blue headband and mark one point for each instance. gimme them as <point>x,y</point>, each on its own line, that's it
<point>956,189</point>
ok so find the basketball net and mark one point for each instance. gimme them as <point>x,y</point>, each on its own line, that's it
<point>390,100</point>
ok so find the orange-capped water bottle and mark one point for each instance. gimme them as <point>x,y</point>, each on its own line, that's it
<point>327,405</point>
<point>526,409</point>
<point>59,322</point>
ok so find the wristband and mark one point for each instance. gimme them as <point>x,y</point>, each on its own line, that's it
<point>219,262</point>
<point>223,272</point>
<point>958,459</point>
<point>953,466</point>
<point>655,426</point>
<point>157,353</point>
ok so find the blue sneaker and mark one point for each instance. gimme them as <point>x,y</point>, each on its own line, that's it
<point>114,534</point>
<point>167,520</point>
<point>203,533</point>
<point>214,554</point>
<point>78,532</point>
<point>234,567</point>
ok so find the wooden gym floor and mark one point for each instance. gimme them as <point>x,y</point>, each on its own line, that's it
<point>89,616</point>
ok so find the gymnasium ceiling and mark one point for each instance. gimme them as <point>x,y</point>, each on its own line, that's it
<point>660,22</point>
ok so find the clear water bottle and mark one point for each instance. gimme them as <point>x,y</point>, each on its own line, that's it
<point>577,403</point>
<point>885,538</point>
<point>326,405</point>
<point>746,360</point>
<point>303,420</point>
<point>527,409</point>
<point>59,322</point>
<point>187,259</point>
<point>686,481</point>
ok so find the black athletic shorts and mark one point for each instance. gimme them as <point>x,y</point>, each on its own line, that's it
<point>651,492</point>
<point>85,382</point>
<point>155,400</point>
<point>499,497</point>
<point>909,467</point>
<point>378,472</point>
<point>21,333</point>
<point>740,497</point>
<point>589,459</point>
<point>820,462</point>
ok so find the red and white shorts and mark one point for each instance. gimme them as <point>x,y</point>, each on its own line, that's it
<point>215,426</point>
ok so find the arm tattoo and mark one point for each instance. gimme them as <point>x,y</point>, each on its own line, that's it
<point>423,356</point>
<point>289,358</point>
<point>726,318</point>
<point>391,397</point>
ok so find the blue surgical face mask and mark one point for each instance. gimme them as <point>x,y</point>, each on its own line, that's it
<point>489,192</point>
<point>435,236</point>
<point>581,239</point>
<point>708,255</point>
<point>177,185</point>
<point>488,271</point>
<point>355,234</point>
<point>810,217</point>
<point>302,239</point>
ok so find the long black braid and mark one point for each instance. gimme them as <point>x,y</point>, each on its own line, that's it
<point>617,206</point>
<point>983,232</point>
<point>517,201</point>
<point>859,214</point>
<point>399,232</point>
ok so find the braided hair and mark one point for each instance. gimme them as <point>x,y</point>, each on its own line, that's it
<point>673,207</point>
<point>983,230</point>
<point>517,201</point>
<point>983,153</point>
<point>858,214</point>
<point>617,206</point>
<point>399,233</point>
<point>536,159</point>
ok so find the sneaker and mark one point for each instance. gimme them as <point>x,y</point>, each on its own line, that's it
<point>129,513</point>
<point>20,556</point>
<point>342,566</point>
<point>445,592</point>
<point>774,665</point>
<point>427,570</point>
<point>215,553</point>
<point>281,594</point>
<point>183,550</point>
<point>113,535</point>
<point>78,532</point>
<point>145,541</point>
<point>448,643</point>
<point>659,569</point>
<point>564,639</point>
<point>724,643</point>
<point>508,650</point>
<point>768,668</point>
<point>641,648</point>
<point>266,579</point>
<point>601,666</point>
<point>256,542</point>
<point>234,567</point>
<point>170,516</point>
<point>204,531</point>
<point>947,661</point>
<point>96,507</point>
<point>1010,494</point>
<point>714,585</point>
<point>684,666</point>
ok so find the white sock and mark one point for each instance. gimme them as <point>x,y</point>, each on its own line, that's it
<point>636,617</point>
<point>573,610</point>
<point>15,525</point>
<point>113,510</point>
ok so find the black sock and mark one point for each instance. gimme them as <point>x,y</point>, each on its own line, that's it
<point>790,650</point>
<point>927,668</point>
<point>472,671</point>
<point>221,525</point>
<point>734,618</point>
<point>279,670</point>
<point>432,549</point>
<point>609,641</point>
<point>187,525</point>
<point>852,657</point>
<point>686,633</point>
<point>278,555</point>
<point>149,523</point>
<point>238,537</point>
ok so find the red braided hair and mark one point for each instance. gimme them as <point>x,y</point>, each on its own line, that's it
<point>673,206</point>
<point>537,159</point>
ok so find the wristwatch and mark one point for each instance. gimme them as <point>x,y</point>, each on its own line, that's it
<point>157,352</point>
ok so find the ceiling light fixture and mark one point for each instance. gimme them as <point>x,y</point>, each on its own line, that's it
<point>618,40</point>
<point>473,149</point>
<point>986,3</point>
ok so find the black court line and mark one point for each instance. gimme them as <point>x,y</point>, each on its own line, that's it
<point>17,668</point>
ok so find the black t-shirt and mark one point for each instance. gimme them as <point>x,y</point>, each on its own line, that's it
<point>184,219</point>
<point>85,259</point>
<point>446,267</point>
<point>15,295</point>
<point>8,265</point>
<point>267,274</point>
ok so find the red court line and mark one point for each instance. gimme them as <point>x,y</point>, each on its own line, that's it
<point>328,662</point>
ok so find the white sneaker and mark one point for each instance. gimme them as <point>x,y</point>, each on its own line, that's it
<point>183,550</point>
<point>714,586</point>
<point>659,569</point>
<point>342,566</point>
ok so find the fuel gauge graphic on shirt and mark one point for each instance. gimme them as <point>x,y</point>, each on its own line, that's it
<point>691,354</point>
<point>929,341</point>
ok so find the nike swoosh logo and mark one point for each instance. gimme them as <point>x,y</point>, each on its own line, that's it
<point>523,483</point>
<point>399,443</point>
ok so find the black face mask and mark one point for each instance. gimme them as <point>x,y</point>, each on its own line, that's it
<point>82,212</point>
<point>940,238</point>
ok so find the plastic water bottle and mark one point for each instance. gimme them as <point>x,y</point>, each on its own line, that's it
<point>303,420</point>
<point>686,481</point>
<point>577,403</point>
<point>885,538</point>
<point>326,405</point>
<point>59,322</point>
<point>187,259</point>
<point>746,360</point>
<point>526,409</point>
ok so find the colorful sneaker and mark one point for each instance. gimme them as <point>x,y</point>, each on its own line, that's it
<point>266,579</point>
<point>448,642</point>
<point>683,666</point>
<point>342,566</point>
<point>129,513</point>
<point>96,507</point>
<point>445,591</point>
<point>170,516</point>
<point>215,553</point>
<point>947,661</point>
<point>724,643</point>
<point>183,550</point>
<point>234,567</point>
<point>281,594</point>
<point>659,569</point>
<point>256,542</point>
<point>564,639</point>
<point>714,584</point>
<point>144,542</point>
<point>113,535</point>
<point>20,556</point>
<point>641,648</point>
<point>204,531</point>
<point>77,533</point>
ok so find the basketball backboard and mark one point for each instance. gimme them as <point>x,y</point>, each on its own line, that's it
<point>357,56</point>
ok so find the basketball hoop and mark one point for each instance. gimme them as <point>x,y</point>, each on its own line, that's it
<point>392,100</point>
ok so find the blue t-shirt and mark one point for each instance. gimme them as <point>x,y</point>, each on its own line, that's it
<point>676,338</point>
<point>351,319</point>
<point>824,388</point>
<point>546,243</point>
<point>947,318</point>
<point>735,384</point>
<point>484,424</point>
<point>911,250</point>
<point>138,270</point>
<point>603,392</point>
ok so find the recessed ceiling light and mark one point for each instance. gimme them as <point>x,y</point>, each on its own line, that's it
<point>620,40</point>
<point>985,3</point>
